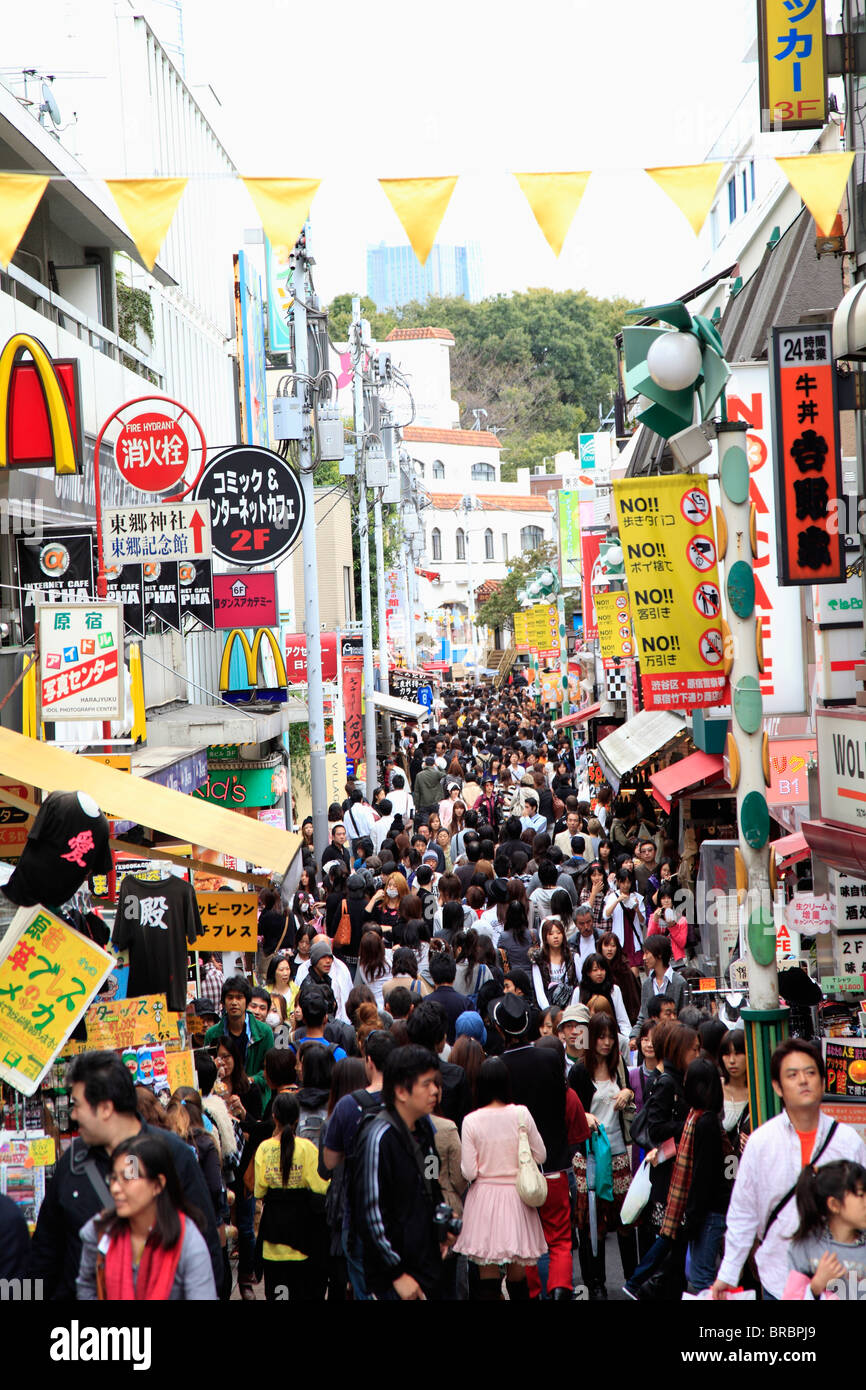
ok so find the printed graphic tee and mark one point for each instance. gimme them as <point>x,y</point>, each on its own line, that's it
<point>154,922</point>
<point>65,846</point>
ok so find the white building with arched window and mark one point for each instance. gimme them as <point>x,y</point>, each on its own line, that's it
<point>505,520</point>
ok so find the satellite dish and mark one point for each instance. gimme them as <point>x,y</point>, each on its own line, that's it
<point>49,104</point>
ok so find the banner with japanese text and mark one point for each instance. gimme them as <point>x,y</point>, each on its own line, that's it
<point>669,550</point>
<point>590,550</point>
<point>614,623</point>
<point>569,539</point>
<point>81,660</point>
<point>49,974</point>
<point>808,460</point>
<point>521,632</point>
<point>792,65</point>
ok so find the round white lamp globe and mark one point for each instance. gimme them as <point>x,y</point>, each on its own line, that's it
<point>674,361</point>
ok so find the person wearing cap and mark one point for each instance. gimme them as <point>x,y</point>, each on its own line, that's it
<point>538,1082</point>
<point>324,969</point>
<point>470,1025</point>
<point>571,1029</point>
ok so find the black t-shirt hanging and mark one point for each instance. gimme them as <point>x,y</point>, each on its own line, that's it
<point>155,921</point>
<point>65,846</point>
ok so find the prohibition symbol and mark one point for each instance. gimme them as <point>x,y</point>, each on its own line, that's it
<point>701,553</point>
<point>711,646</point>
<point>695,506</point>
<point>622,601</point>
<point>707,600</point>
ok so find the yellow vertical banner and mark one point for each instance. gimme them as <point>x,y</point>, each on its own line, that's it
<point>614,623</point>
<point>669,549</point>
<point>792,64</point>
<point>521,632</point>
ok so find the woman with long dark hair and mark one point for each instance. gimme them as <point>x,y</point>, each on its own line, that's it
<point>621,974</point>
<point>554,977</point>
<point>601,1083</point>
<point>595,891</point>
<point>516,940</point>
<point>293,1232</point>
<point>374,965</point>
<point>735,1087</point>
<point>150,1248</point>
<point>596,978</point>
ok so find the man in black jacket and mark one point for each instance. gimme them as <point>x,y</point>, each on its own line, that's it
<point>538,1082</point>
<point>104,1108</point>
<point>395,1182</point>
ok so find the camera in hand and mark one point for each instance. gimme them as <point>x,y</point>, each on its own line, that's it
<point>446,1222</point>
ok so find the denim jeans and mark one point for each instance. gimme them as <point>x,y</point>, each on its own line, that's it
<point>244,1214</point>
<point>353,1250</point>
<point>704,1252</point>
<point>653,1257</point>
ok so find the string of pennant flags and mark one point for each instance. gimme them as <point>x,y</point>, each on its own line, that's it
<point>148,205</point>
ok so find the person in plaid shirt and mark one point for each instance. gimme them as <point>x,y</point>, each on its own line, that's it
<point>212,981</point>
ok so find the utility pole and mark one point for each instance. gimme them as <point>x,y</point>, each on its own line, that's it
<point>364,545</point>
<point>381,604</point>
<point>312,624</point>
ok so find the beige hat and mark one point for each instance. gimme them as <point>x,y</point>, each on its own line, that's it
<point>575,1013</point>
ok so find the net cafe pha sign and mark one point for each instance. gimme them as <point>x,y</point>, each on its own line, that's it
<point>842,766</point>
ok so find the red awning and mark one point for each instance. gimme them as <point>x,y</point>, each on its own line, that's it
<point>790,850</point>
<point>588,712</point>
<point>837,846</point>
<point>693,771</point>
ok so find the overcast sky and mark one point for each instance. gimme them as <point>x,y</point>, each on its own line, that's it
<point>352,93</point>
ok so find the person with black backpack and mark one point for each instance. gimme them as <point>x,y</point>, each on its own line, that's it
<point>396,1201</point>
<point>339,1142</point>
<point>292,1242</point>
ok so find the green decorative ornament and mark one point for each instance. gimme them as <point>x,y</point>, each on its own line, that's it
<point>761,933</point>
<point>672,400</point>
<point>748,705</point>
<point>741,589</point>
<point>734,473</point>
<point>755,820</point>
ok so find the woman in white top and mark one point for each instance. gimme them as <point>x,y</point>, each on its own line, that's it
<point>735,1086</point>
<point>625,916</point>
<point>374,965</point>
<point>596,978</point>
<point>554,977</point>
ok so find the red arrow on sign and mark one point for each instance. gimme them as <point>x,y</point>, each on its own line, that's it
<point>197,525</point>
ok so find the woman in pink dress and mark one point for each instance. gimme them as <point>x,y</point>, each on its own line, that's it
<point>498,1228</point>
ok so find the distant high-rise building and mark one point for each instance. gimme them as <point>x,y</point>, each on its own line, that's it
<point>395,276</point>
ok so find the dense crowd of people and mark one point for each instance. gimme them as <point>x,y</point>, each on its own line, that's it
<point>472,1058</point>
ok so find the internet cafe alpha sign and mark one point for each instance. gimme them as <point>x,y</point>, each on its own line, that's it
<point>842,766</point>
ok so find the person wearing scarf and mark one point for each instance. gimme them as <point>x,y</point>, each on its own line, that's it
<point>149,1248</point>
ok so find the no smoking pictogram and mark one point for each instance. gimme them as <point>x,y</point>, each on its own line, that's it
<point>695,506</point>
<point>711,646</point>
<point>701,553</point>
<point>707,600</point>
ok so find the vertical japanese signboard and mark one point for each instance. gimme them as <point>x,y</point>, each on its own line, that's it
<point>48,976</point>
<point>792,64</point>
<point>81,661</point>
<point>521,632</point>
<point>352,656</point>
<point>669,548</point>
<point>807,457</point>
<point>56,568</point>
<point>614,623</point>
<point>590,547</point>
<point>569,539</point>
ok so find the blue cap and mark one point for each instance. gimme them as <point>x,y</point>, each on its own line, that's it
<point>471,1025</point>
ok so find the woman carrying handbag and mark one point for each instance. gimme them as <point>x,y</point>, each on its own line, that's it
<point>601,1083</point>
<point>500,1228</point>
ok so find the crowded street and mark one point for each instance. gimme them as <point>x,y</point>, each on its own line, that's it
<point>432,673</point>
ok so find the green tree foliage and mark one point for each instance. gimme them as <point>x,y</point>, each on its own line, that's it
<point>539,363</point>
<point>340,317</point>
<point>501,606</point>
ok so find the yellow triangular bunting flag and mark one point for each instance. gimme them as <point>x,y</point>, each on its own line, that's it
<point>147,207</point>
<point>820,180</point>
<point>554,199</point>
<point>19,196</point>
<point>692,187</point>
<point>283,206</point>
<point>420,205</point>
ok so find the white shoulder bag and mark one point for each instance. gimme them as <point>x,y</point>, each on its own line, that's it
<point>531,1182</point>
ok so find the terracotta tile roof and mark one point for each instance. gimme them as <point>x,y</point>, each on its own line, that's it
<point>487,590</point>
<point>402,334</point>
<point>493,502</point>
<point>478,439</point>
